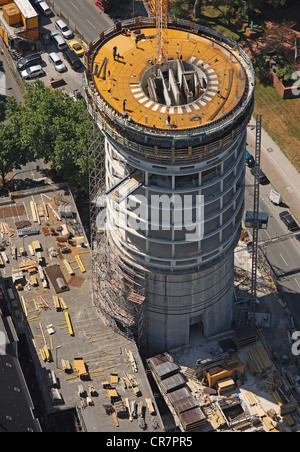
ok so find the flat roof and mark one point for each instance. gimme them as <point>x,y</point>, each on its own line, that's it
<point>26,9</point>
<point>102,349</point>
<point>224,74</point>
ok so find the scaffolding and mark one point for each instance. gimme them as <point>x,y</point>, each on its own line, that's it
<point>120,293</point>
<point>118,290</point>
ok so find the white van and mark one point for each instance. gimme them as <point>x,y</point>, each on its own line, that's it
<point>58,40</point>
<point>63,29</point>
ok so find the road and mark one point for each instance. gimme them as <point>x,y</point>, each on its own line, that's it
<point>89,19</point>
<point>8,84</point>
<point>283,256</point>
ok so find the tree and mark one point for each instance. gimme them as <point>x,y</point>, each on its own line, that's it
<point>11,153</point>
<point>54,127</point>
<point>197,8</point>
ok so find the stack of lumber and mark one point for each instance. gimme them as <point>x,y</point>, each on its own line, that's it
<point>129,381</point>
<point>255,403</point>
<point>26,265</point>
<point>132,360</point>
<point>245,336</point>
<point>113,395</point>
<point>225,385</point>
<point>46,354</point>
<point>259,363</point>
<point>286,405</point>
<point>59,303</point>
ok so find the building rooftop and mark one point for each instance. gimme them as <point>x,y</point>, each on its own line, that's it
<point>203,80</point>
<point>16,408</point>
<point>35,312</point>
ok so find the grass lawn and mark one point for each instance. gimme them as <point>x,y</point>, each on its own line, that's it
<point>281,119</point>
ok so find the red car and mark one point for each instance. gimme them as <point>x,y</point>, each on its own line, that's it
<point>102,5</point>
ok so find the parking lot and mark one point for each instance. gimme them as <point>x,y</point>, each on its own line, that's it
<point>71,78</point>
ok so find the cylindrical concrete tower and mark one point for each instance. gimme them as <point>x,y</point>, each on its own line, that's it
<point>175,143</point>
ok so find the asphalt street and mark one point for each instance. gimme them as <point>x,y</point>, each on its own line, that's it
<point>284,256</point>
<point>8,83</point>
<point>89,19</point>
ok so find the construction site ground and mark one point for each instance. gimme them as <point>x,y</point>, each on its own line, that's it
<point>274,327</point>
<point>57,336</point>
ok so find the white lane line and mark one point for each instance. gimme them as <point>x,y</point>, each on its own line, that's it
<point>91,24</point>
<point>284,260</point>
<point>297,283</point>
<point>74,6</point>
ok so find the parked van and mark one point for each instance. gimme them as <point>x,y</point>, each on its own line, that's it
<point>63,29</point>
<point>29,60</point>
<point>58,40</point>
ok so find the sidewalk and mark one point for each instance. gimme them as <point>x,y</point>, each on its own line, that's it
<point>282,174</point>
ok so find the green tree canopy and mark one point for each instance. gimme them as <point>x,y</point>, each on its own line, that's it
<point>54,127</point>
<point>11,152</point>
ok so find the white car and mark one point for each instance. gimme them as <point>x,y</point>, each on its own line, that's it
<point>44,8</point>
<point>31,72</point>
<point>64,29</point>
<point>57,62</point>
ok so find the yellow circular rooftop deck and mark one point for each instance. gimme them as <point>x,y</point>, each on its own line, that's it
<point>226,80</point>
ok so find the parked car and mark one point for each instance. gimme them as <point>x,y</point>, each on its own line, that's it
<point>250,160</point>
<point>103,4</point>
<point>43,7</point>
<point>32,71</point>
<point>72,59</point>
<point>78,49</point>
<point>262,177</point>
<point>58,40</point>
<point>29,60</point>
<point>57,62</point>
<point>289,221</point>
<point>63,29</point>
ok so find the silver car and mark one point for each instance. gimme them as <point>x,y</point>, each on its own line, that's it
<point>63,29</point>
<point>57,62</point>
<point>31,72</point>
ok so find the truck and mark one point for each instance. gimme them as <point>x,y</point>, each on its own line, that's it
<point>249,160</point>
<point>275,197</point>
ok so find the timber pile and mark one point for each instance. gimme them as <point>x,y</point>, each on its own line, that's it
<point>287,404</point>
<point>259,363</point>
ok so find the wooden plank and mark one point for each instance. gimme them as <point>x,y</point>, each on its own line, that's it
<point>115,419</point>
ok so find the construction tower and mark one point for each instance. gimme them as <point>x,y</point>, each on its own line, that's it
<point>172,100</point>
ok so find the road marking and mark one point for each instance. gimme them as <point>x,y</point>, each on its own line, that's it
<point>91,24</point>
<point>74,5</point>
<point>284,260</point>
<point>297,282</point>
